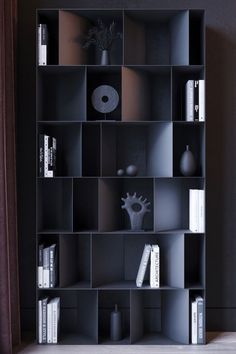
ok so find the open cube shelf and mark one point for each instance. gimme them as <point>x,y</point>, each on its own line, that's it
<point>80,208</point>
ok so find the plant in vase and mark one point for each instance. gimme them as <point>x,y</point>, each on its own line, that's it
<point>102,37</point>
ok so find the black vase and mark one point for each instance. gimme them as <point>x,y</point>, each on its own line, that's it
<point>188,164</point>
<point>116,325</point>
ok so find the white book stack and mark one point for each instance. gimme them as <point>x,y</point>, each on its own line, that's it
<point>42,44</point>
<point>155,267</point>
<point>197,210</point>
<point>195,100</point>
<point>152,252</point>
<point>48,320</point>
<point>197,324</point>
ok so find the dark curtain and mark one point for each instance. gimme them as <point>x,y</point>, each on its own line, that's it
<point>9,290</point>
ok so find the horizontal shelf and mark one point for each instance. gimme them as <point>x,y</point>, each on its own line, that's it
<point>126,232</point>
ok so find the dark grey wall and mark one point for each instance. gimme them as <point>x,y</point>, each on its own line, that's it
<point>221,148</point>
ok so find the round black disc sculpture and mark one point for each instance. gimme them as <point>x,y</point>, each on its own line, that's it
<point>105,99</point>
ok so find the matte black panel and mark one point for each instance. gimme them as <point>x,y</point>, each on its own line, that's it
<point>196,37</point>
<point>91,150</point>
<point>194,260</point>
<point>62,94</point>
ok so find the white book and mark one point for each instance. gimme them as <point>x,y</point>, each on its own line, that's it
<point>143,265</point>
<point>194,322</point>
<point>42,44</point>
<point>55,318</point>
<point>47,172</point>
<point>40,322</point>
<point>49,322</point>
<point>155,267</point>
<point>201,100</point>
<point>46,268</point>
<point>193,210</point>
<point>189,101</point>
<point>201,211</point>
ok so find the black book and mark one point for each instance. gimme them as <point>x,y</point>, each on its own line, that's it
<point>53,266</point>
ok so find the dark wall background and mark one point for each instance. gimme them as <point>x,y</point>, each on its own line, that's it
<point>221,149</point>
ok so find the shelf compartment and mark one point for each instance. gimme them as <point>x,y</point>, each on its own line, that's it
<point>69,141</point>
<point>180,75</point>
<point>85,204</point>
<point>107,299</point>
<point>54,207</point>
<point>172,202</point>
<point>50,18</point>
<point>146,94</point>
<point>111,216</point>
<point>156,37</point>
<point>156,317</point>
<point>62,94</point>
<point>194,261</point>
<point>103,75</point>
<point>149,147</point>
<point>74,261</point>
<point>91,150</point>
<point>194,136</point>
<point>78,316</point>
<point>196,37</point>
<point>74,25</point>
<point>116,259</point>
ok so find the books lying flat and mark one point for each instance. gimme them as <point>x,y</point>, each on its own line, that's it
<point>195,100</point>
<point>47,266</point>
<point>48,320</point>
<point>197,210</point>
<point>197,321</point>
<point>47,156</point>
<point>42,44</point>
<point>152,252</point>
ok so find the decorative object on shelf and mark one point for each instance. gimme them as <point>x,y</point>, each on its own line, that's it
<point>102,37</point>
<point>187,163</point>
<point>120,172</point>
<point>105,99</point>
<point>132,170</point>
<point>136,208</point>
<point>116,325</point>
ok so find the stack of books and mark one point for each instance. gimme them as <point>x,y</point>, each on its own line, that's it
<point>151,252</point>
<point>195,100</point>
<point>47,155</point>
<point>48,320</point>
<point>197,210</point>
<point>47,266</point>
<point>197,318</point>
<point>42,44</point>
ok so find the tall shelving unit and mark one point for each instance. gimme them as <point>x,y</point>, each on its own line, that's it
<point>80,208</point>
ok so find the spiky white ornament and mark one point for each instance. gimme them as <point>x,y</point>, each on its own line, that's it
<point>136,216</point>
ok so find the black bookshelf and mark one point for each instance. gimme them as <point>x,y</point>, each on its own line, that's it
<point>80,208</point>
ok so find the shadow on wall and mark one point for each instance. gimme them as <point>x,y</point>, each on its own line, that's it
<point>221,173</point>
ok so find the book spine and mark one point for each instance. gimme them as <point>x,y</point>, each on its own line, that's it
<point>40,322</point>
<point>155,267</point>
<point>44,320</point>
<point>143,265</point>
<point>41,155</point>
<point>194,322</point>
<point>55,320</point>
<point>47,172</point>
<point>193,210</point>
<point>201,211</point>
<point>52,266</point>
<point>46,267</point>
<point>49,322</point>
<point>39,44</point>
<point>189,94</point>
<point>54,145</point>
<point>40,267</point>
<point>201,100</point>
<point>196,100</point>
<point>44,43</point>
<point>200,323</point>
